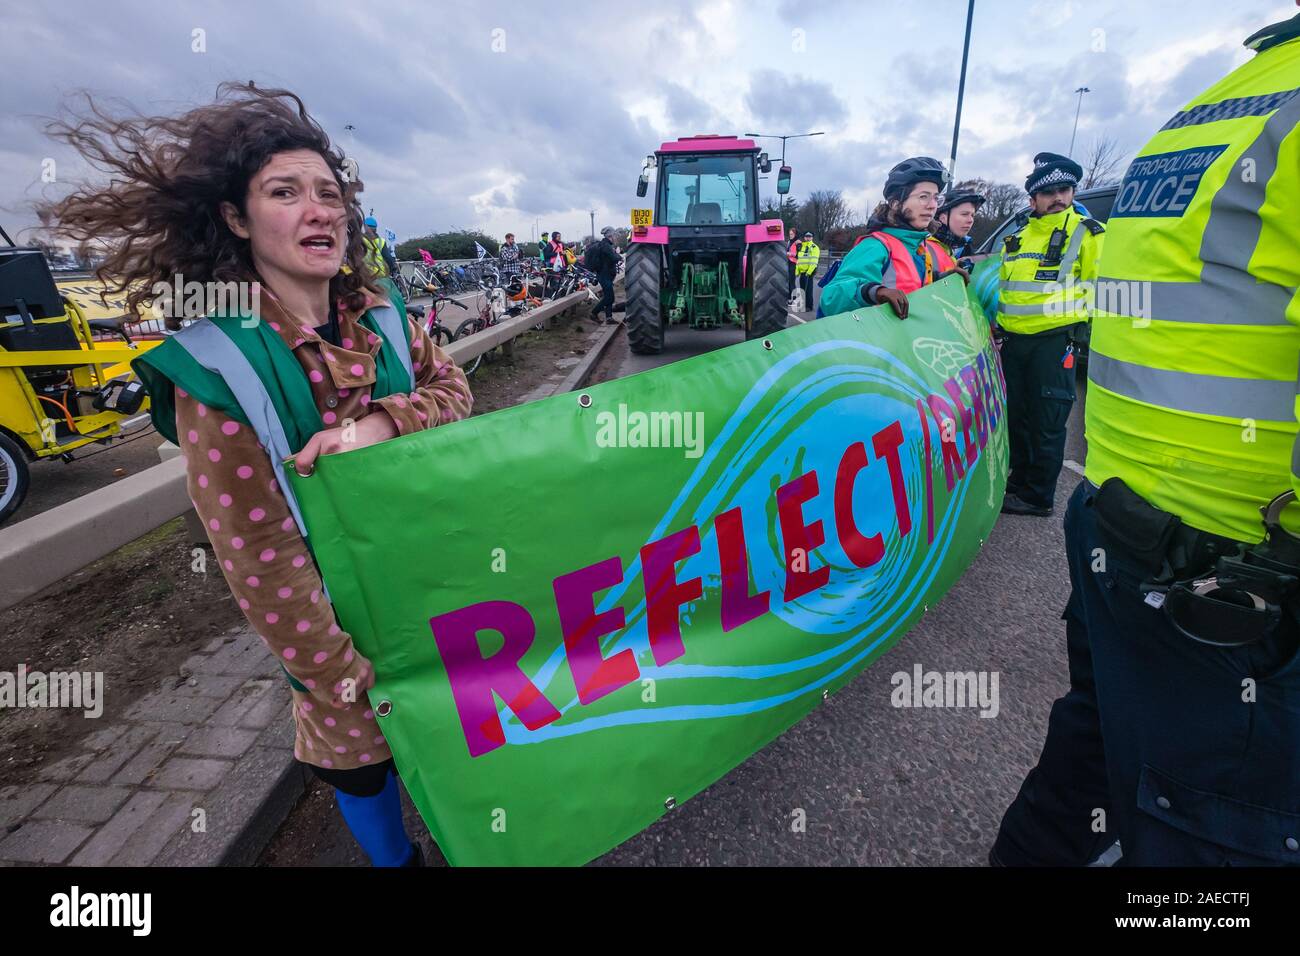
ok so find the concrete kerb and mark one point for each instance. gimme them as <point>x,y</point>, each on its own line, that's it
<point>583,370</point>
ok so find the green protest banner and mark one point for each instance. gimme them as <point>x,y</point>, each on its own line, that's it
<point>584,610</point>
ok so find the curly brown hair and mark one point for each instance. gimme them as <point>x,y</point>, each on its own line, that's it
<point>160,213</point>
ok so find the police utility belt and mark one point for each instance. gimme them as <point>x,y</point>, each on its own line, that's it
<point>1213,590</point>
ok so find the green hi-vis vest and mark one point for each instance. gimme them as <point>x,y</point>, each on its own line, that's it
<point>242,367</point>
<point>375,255</point>
<point>1196,322</point>
<point>1035,293</point>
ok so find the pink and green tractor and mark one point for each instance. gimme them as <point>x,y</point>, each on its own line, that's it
<point>702,256</point>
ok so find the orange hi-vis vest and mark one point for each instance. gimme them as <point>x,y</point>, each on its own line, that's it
<point>902,274</point>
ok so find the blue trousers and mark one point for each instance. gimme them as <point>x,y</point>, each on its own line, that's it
<point>1188,754</point>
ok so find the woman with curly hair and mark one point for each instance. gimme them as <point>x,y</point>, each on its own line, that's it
<point>249,190</point>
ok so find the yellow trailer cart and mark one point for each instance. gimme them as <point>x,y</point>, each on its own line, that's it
<point>63,385</point>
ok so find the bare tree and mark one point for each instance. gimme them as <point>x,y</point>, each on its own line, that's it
<point>823,211</point>
<point>1104,163</point>
<point>1000,201</point>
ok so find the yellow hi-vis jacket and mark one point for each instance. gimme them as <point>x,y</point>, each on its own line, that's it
<point>1036,294</point>
<point>1196,331</point>
<point>809,255</point>
<point>375,255</point>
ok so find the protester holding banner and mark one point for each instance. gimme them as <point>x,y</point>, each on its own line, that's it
<point>249,189</point>
<point>954,221</point>
<point>898,255</point>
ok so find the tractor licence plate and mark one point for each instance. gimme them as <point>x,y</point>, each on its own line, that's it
<point>642,217</point>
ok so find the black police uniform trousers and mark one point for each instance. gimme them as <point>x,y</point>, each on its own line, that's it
<point>1040,394</point>
<point>1188,754</point>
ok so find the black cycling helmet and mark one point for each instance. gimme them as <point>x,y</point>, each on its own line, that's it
<point>956,199</point>
<point>918,169</point>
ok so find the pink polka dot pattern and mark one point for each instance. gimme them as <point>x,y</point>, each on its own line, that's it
<point>214,524</point>
<point>214,456</point>
<point>260,546</point>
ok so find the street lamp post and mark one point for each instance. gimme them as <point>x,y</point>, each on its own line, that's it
<point>961,90</point>
<point>1081,90</point>
<point>783,139</point>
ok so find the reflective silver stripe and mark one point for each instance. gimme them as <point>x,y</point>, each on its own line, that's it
<point>888,275</point>
<point>1056,307</point>
<point>215,351</point>
<point>1222,297</point>
<point>390,322</point>
<point>1225,293</point>
<point>1238,398</point>
<point>1007,285</point>
<point>1232,230</point>
<point>1072,253</point>
<point>1013,308</point>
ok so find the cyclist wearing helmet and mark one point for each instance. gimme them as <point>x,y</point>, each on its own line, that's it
<point>381,258</point>
<point>898,255</point>
<point>954,221</point>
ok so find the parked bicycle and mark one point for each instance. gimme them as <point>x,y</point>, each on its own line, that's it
<point>441,335</point>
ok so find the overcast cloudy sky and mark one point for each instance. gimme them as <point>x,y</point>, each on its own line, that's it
<point>497,115</point>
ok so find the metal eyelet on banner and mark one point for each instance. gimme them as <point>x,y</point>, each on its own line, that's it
<point>385,708</point>
<point>307,474</point>
<point>670,803</point>
<point>767,344</point>
<point>584,400</point>
<point>826,694</point>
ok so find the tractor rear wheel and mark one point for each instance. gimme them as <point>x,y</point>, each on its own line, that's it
<point>770,283</point>
<point>644,317</point>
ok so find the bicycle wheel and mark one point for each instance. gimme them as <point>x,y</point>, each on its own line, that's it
<point>464,330</point>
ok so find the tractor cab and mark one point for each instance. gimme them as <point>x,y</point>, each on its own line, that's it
<point>708,238</point>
